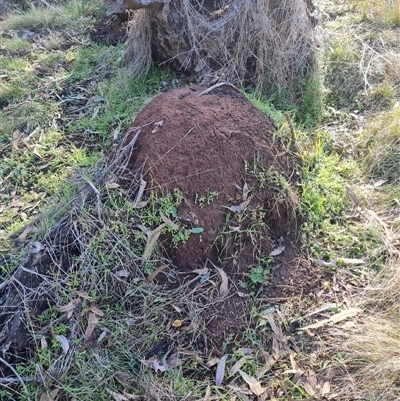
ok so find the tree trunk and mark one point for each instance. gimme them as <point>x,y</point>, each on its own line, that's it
<point>269,44</point>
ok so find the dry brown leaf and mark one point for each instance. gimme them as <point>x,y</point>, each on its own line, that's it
<point>223,289</point>
<point>169,222</point>
<point>275,328</point>
<point>174,361</point>
<point>238,365</point>
<point>151,241</point>
<point>310,383</point>
<point>93,320</point>
<point>345,314</point>
<point>245,191</point>
<point>254,384</point>
<point>117,396</point>
<point>28,229</point>
<point>200,272</point>
<point>298,373</point>
<point>15,138</point>
<point>326,388</point>
<point>95,112</point>
<point>212,362</point>
<point>155,272</point>
<point>52,396</point>
<point>157,126</point>
<point>245,351</point>
<point>70,307</point>
<point>241,208</point>
<point>275,347</point>
<point>97,311</point>
<point>142,187</point>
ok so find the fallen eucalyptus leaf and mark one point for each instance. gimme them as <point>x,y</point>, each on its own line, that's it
<point>335,318</point>
<point>97,311</point>
<point>245,191</point>
<point>64,343</point>
<point>237,366</point>
<point>219,376</point>
<point>142,187</point>
<point>239,208</point>
<point>151,241</point>
<point>93,320</point>
<point>223,289</point>
<point>69,308</point>
<point>169,222</point>
<point>254,384</point>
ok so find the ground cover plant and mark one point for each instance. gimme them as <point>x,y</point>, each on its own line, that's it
<point>297,295</point>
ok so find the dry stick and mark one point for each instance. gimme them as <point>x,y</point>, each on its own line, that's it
<point>18,377</point>
<point>211,88</point>
<point>11,380</point>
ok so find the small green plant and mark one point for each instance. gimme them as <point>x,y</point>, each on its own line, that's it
<point>207,198</point>
<point>259,274</point>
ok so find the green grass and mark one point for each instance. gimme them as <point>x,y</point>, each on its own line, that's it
<point>69,14</point>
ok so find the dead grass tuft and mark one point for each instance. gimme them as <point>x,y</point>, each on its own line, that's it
<point>383,12</point>
<point>138,53</point>
<point>381,139</point>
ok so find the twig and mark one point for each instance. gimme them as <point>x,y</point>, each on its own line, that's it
<point>11,380</point>
<point>211,88</point>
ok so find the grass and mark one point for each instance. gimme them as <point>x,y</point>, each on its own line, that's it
<point>380,140</point>
<point>52,155</point>
<point>384,13</point>
<point>69,14</point>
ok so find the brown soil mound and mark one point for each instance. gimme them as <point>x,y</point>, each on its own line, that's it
<point>212,147</point>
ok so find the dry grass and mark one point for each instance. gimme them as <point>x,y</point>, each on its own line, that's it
<point>383,12</point>
<point>244,40</point>
<point>138,44</point>
<point>382,141</point>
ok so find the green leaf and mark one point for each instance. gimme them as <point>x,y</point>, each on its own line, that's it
<point>196,230</point>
